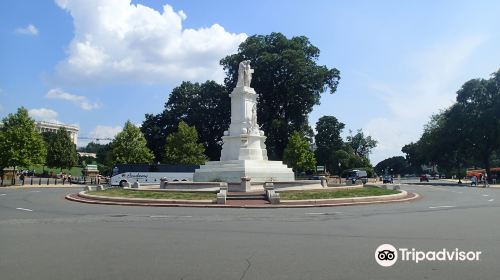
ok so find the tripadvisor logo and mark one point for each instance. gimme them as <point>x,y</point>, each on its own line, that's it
<point>387,255</point>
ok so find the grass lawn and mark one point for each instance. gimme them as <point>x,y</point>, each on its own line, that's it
<point>322,194</point>
<point>119,192</point>
<point>74,171</point>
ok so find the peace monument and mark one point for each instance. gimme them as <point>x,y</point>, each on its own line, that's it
<point>244,151</point>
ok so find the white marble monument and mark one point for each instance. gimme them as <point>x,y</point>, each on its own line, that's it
<point>244,151</point>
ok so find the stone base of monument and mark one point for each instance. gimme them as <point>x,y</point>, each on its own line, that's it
<point>231,171</point>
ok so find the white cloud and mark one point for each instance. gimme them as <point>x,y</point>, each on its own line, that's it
<point>99,135</point>
<point>439,74</point>
<point>28,30</point>
<point>105,131</point>
<point>44,114</point>
<point>116,41</point>
<point>81,101</point>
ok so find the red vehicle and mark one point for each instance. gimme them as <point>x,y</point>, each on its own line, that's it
<point>424,178</point>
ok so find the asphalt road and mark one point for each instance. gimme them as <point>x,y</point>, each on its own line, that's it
<point>44,236</point>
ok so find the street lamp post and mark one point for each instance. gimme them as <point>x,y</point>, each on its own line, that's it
<point>340,173</point>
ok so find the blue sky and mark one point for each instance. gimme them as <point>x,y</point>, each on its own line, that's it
<point>99,63</point>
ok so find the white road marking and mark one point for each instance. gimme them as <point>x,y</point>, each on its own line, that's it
<point>166,216</point>
<point>1,194</point>
<point>24,209</point>
<point>490,200</point>
<point>315,213</point>
<point>34,191</point>
<point>442,206</point>
<point>486,195</point>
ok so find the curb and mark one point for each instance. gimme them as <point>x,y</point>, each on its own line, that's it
<point>142,200</point>
<point>396,196</point>
<point>180,203</point>
<point>42,186</point>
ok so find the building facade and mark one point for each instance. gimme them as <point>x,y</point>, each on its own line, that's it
<point>43,126</point>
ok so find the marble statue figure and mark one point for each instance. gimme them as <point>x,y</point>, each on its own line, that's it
<point>244,74</point>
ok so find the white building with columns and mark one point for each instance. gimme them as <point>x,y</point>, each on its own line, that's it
<point>44,126</point>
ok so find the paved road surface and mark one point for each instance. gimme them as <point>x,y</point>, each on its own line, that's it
<point>43,236</point>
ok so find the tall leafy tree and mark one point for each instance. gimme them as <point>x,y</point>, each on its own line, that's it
<point>397,164</point>
<point>297,154</point>
<point>129,146</point>
<point>205,106</point>
<point>61,151</point>
<point>20,144</point>
<point>361,145</point>
<point>288,80</point>
<point>349,159</point>
<point>479,100</point>
<point>328,142</point>
<point>467,133</point>
<point>182,147</point>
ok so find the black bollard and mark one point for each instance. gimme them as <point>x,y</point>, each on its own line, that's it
<point>31,180</point>
<point>40,181</point>
<point>48,181</point>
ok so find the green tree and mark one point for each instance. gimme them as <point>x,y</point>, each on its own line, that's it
<point>350,160</point>
<point>288,80</point>
<point>397,164</point>
<point>328,142</point>
<point>467,133</point>
<point>479,100</point>
<point>129,146</point>
<point>91,147</point>
<point>61,151</point>
<point>103,158</point>
<point>20,144</point>
<point>361,145</point>
<point>297,154</point>
<point>182,147</point>
<point>205,106</point>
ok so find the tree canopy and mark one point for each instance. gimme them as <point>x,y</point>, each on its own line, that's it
<point>182,146</point>
<point>20,143</point>
<point>361,145</point>
<point>61,151</point>
<point>328,141</point>
<point>205,106</point>
<point>465,134</point>
<point>129,146</point>
<point>297,154</point>
<point>288,80</point>
<point>398,165</point>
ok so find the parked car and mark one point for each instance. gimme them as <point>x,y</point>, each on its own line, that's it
<point>387,179</point>
<point>424,178</point>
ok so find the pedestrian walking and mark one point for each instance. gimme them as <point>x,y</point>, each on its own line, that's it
<point>494,178</point>
<point>473,181</point>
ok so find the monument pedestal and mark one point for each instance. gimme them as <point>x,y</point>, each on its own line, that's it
<point>232,171</point>
<point>244,151</point>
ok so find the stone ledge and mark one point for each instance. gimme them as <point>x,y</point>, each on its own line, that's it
<point>402,194</point>
<point>76,198</point>
<point>83,194</point>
